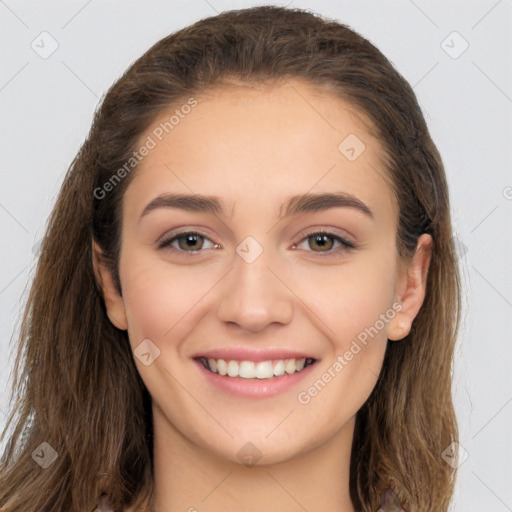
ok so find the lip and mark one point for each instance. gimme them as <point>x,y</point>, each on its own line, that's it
<point>250,354</point>
<point>253,388</point>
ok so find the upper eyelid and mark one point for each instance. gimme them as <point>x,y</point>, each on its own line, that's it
<point>177,232</point>
<point>167,239</point>
<point>344,242</point>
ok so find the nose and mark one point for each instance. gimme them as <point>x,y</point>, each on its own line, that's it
<point>255,296</point>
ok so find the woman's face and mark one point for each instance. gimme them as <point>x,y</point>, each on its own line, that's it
<point>259,238</point>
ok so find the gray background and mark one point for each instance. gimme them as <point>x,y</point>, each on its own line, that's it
<point>46,110</point>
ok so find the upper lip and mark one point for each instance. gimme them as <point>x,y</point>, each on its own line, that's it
<point>252,354</point>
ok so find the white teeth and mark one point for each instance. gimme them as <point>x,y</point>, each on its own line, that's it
<point>256,370</point>
<point>279,368</point>
<point>264,370</point>
<point>222,367</point>
<point>247,370</point>
<point>233,369</point>
<point>289,366</point>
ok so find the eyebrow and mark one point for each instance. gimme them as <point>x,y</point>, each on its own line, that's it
<point>294,205</point>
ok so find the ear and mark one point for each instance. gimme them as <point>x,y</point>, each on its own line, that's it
<point>411,288</point>
<point>113,301</point>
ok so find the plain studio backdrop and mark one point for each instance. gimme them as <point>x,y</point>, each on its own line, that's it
<point>58,59</point>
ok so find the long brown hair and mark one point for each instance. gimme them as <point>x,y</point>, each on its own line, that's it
<point>75,384</point>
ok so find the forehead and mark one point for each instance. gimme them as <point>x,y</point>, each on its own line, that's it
<point>262,142</point>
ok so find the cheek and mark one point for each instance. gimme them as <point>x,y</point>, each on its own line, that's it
<point>357,306</point>
<point>162,300</point>
<point>353,298</point>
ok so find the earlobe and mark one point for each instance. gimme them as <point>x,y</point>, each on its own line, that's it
<point>113,301</point>
<point>398,329</point>
<point>411,289</point>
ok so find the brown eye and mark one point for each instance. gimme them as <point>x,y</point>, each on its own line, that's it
<point>323,241</point>
<point>187,242</point>
<point>190,242</point>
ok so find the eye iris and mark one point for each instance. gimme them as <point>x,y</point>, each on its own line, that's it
<point>323,241</point>
<point>187,242</point>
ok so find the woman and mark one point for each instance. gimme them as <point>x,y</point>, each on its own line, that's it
<point>247,295</point>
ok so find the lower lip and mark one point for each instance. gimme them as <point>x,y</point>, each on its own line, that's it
<point>256,388</point>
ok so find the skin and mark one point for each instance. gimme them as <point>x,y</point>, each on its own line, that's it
<point>254,147</point>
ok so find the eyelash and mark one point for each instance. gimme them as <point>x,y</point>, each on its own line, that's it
<point>345,245</point>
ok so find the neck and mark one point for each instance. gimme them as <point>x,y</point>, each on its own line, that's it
<point>190,478</point>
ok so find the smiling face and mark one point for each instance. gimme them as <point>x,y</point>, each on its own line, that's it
<point>222,259</point>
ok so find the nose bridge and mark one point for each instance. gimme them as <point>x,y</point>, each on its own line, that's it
<point>252,295</point>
